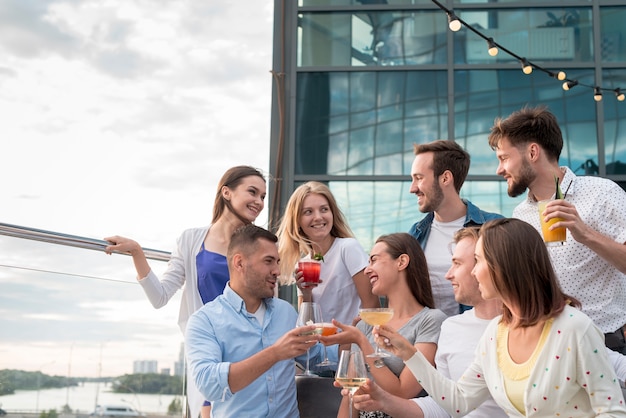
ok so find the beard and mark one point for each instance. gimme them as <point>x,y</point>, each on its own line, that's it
<point>525,177</point>
<point>434,201</point>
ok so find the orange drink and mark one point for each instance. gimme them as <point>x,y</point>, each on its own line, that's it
<point>550,237</point>
<point>326,329</point>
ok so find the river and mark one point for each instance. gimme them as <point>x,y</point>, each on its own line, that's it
<point>82,399</point>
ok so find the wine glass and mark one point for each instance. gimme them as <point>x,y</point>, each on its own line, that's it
<point>351,372</point>
<point>327,328</point>
<point>376,317</point>
<point>309,313</point>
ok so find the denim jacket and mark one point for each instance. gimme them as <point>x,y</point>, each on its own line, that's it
<point>474,216</point>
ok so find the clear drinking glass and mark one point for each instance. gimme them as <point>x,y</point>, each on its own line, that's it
<point>327,328</point>
<point>309,313</point>
<point>376,317</point>
<point>351,372</point>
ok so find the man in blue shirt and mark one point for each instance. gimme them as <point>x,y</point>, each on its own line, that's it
<point>437,174</point>
<point>241,346</point>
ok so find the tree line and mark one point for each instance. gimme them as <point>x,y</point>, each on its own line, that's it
<point>151,383</point>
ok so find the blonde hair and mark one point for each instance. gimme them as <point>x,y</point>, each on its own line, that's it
<point>293,244</point>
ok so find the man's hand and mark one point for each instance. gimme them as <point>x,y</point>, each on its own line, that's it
<point>295,342</point>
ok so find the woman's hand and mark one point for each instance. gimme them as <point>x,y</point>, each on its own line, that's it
<point>348,335</point>
<point>390,340</point>
<point>122,245</point>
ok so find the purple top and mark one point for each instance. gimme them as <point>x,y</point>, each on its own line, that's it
<point>212,274</point>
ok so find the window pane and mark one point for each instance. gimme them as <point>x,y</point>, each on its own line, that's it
<point>372,38</point>
<point>539,34</point>
<point>614,123</point>
<point>613,34</point>
<point>358,2</point>
<point>366,122</point>
<point>483,95</point>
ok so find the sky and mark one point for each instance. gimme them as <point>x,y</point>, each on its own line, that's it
<point>118,117</point>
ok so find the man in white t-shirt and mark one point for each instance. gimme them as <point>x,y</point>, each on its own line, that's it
<point>591,264</point>
<point>438,172</point>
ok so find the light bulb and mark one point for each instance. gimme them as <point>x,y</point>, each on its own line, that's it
<point>453,22</point>
<point>526,67</point>
<point>493,49</point>
<point>619,94</point>
<point>561,75</point>
<point>569,84</point>
<point>597,94</point>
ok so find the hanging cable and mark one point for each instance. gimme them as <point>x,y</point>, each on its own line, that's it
<point>455,23</point>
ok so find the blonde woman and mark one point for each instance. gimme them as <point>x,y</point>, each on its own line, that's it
<point>314,224</point>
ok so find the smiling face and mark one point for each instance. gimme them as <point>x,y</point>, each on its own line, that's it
<point>460,275</point>
<point>316,217</point>
<point>482,274</point>
<point>424,184</point>
<point>382,269</point>
<point>514,167</point>
<point>248,198</point>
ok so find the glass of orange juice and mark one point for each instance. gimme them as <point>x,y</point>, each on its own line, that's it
<point>552,237</point>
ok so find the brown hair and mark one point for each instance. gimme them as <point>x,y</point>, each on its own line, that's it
<point>231,179</point>
<point>244,240</point>
<point>447,155</point>
<point>417,275</point>
<point>521,270</point>
<point>530,124</point>
<point>293,244</point>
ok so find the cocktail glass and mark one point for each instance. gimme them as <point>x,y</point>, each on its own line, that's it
<point>310,272</point>
<point>376,317</point>
<point>327,328</point>
<point>555,236</point>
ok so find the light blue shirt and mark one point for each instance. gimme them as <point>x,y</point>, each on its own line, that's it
<point>223,332</point>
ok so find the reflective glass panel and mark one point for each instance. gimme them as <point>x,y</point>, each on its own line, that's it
<point>358,2</point>
<point>613,34</point>
<point>483,95</point>
<point>378,38</point>
<point>351,123</point>
<point>562,34</point>
<point>382,207</point>
<point>614,122</point>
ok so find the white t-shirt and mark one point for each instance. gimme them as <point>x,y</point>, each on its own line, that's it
<point>337,294</point>
<point>438,257</point>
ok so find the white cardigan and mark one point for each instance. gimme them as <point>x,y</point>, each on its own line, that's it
<point>571,378</point>
<point>181,271</point>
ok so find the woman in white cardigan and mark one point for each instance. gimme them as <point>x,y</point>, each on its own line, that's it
<point>199,260</point>
<point>542,357</point>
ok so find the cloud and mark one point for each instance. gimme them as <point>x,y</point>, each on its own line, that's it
<point>119,117</point>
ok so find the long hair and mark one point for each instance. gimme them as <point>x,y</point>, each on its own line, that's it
<point>521,270</point>
<point>231,179</point>
<point>530,124</point>
<point>417,276</point>
<point>293,244</point>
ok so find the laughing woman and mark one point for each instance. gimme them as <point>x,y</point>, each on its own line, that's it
<point>542,357</point>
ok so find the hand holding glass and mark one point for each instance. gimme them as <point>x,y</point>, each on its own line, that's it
<point>327,328</point>
<point>310,272</point>
<point>351,372</point>
<point>551,237</point>
<point>309,314</point>
<point>376,317</point>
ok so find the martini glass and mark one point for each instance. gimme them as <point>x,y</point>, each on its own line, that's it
<point>376,317</point>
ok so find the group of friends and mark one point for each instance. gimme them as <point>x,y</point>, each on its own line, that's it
<point>556,348</point>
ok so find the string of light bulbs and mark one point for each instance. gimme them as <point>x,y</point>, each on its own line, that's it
<point>455,24</point>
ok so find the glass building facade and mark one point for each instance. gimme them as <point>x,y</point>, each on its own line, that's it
<point>358,82</point>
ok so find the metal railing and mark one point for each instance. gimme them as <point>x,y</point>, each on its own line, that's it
<point>71,240</point>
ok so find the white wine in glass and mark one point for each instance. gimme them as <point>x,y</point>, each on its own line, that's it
<point>376,317</point>
<point>351,372</point>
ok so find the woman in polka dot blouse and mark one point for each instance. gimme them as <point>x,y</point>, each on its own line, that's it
<point>542,357</point>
